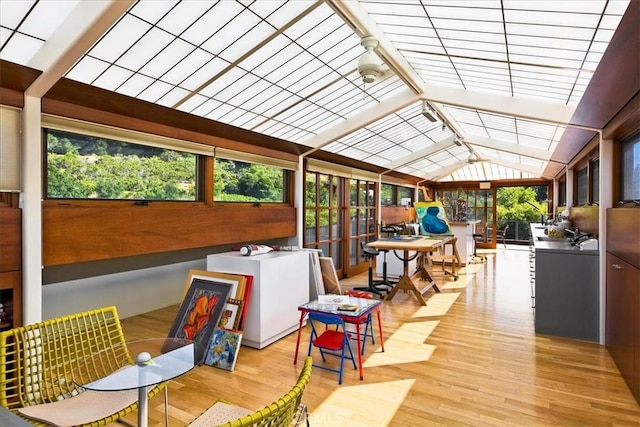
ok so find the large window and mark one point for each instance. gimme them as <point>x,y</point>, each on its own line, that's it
<point>88,167</point>
<point>630,169</point>
<point>236,181</point>
<point>393,195</point>
<point>582,181</point>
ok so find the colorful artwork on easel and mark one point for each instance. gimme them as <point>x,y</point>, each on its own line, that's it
<point>432,218</point>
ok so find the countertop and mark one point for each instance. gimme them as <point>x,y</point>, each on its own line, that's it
<point>554,245</point>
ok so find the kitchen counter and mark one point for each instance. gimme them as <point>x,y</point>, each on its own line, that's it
<point>567,297</point>
<point>543,242</point>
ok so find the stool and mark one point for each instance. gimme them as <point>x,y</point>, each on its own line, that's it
<point>384,281</point>
<point>370,254</point>
<point>453,257</point>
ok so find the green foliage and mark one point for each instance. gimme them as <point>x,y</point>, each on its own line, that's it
<point>513,204</point>
<point>83,167</point>
<point>236,181</point>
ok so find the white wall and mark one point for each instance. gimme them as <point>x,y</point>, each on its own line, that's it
<point>133,292</point>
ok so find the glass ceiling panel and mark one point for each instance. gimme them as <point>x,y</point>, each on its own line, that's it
<point>234,62</point>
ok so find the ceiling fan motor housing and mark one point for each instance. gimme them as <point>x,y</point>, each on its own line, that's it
<point>369,65</point>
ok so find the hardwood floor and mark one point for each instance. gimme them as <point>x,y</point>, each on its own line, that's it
<point>469,358</point>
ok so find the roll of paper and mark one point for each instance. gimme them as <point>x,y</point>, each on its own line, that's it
<point>251,250</point>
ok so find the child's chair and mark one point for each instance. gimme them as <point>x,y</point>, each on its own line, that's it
<point>330,341</point>
<point>368,329</point>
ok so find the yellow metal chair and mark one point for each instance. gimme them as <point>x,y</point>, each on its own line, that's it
<point>41,363</point>
<point>286,411</point>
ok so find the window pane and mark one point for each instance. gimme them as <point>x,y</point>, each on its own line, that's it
<point>310,190</point>
<point>581,178</point>
<point>87,167</point>
<point>595,180</point>
<point>236,181</point>
<point>324,190</point>
<point>386,196</point>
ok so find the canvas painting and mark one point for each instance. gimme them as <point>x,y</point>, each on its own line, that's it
<point>432,218</point>
<point>237,281</point>
<point>200,313</point>
<point>231,314</point>
<point>223,348</point>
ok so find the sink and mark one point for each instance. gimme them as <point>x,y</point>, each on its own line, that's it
<point>550,239</point>
<point>540,227</point>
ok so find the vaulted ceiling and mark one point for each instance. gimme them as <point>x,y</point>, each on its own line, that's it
<point>502,78</point>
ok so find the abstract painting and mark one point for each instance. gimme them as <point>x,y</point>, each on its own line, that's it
<point>223,349</point>
<point>200,313</point>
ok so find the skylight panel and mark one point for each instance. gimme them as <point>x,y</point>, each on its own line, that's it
<point>243,86</point>
<point>247,41</point>
<point>186,66</point>
<point>225,38</point>
<point>112,78</point>
<point>46,17</point>
<point>578,20</point>
<point>87,70</point>
<point>475,26</point>
<point>13,12</point>
<point>119,39</point>
<point>284,12</point>
<point>192,103</point>
<point>168,58</point>
<point>394,152</point>
<point>144,49</point>
<point>179,18</point>
<point>21,49</point>
<point>135,84</point>
<point>322,20</point>
<point>465,13</point>
<point>610,22</point>
<point>204,73</point>
<point>223,82</point>
<point>156,91</point>
<point>401,21</point>
<point>477,36</point>
<point>211,108</point>
<point>204,27</point>
<point>173,96</point>
<point>152,11</point>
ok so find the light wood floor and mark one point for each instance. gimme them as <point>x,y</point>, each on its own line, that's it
<point>469,358</point>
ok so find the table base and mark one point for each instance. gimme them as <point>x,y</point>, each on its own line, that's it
<point>408,284</point>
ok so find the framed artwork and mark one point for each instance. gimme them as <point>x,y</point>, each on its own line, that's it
<point>200,313</point>
<point>223,348</point>
<point>237,281</point>
<point>432,218</point>
<point>231,314</point>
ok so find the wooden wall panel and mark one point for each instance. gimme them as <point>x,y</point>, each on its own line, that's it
<point>74,234</point>
<point>11,243</point>
<point>585,219</point>
<point>397,214</point>
<point>623,234</point>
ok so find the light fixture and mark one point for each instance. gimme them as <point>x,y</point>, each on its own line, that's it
<point>428,111</point>
<point>457,140</point>
<point>369,65</point>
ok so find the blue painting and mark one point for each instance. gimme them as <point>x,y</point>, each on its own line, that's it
<point>432,218</point>
<point>223,349</point>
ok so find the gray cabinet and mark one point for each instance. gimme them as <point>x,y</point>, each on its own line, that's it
<point>567,294</point>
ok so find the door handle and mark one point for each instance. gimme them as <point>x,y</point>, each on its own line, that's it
<point>617,267</point>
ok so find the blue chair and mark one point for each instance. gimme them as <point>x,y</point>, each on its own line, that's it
<point>330,341</point>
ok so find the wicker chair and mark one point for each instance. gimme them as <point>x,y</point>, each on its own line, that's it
<point>41,365</point>
<point>286,411</point>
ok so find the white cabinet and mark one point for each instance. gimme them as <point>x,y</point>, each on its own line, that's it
<point>280,285</point>
<point>464,232</point>
<point>394,264</point>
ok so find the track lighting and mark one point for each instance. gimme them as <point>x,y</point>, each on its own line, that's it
<point>428,111</point>
<point>457,140</point>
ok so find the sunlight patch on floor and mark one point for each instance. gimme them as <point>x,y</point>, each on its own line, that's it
<point>406,345</point>
<point>437,305</point>
<point>362,405</point>
<point>465,276</point>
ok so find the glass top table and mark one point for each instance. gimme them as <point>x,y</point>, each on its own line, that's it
<point>140,365</point>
